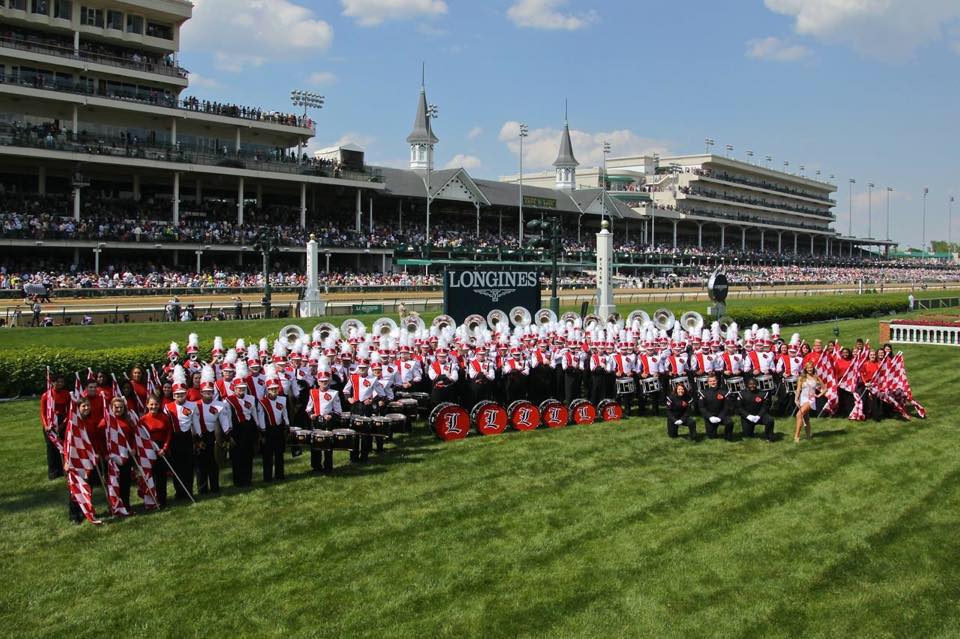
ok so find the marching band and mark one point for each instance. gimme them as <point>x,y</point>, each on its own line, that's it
<point>195,415</point>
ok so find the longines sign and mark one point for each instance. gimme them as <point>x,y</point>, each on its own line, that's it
<point>480,291</point>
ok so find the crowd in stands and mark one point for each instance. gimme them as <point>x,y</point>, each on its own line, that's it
<point>755,201</point>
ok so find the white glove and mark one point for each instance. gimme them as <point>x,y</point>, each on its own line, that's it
<point>753,418</point>
<point>679,422</point>
<point>714,420</point>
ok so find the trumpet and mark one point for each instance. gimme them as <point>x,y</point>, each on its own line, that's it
<point>663,319</point>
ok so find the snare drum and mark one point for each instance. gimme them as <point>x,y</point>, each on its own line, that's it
<point>524,415</point>
<point>582,412</point>
<point>411,409</point>
<point>610,410</point>
<point>765,382</point>
<point>363,427</point>
<point>790,385</point>
<point>344,439</point>
<point>650,385</point>
<point>423,402</point>
<point>449,421</point>
<point>398,423</point>
<point>703,382</point>
<point>489,417</point>
<point>735,384</point>
<point>554,413</point>
<point>626,386</point>
<point>380,431</point>
<point>680,380</point>
<point>321,439</point>
<point>300,435</point>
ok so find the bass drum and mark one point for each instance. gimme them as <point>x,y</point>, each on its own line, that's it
<point>582,412</point>
<point>449,421</point>
<point>489,418</point>
<point>610,411</point>
<point>554,413</point>
<point>524,415</point>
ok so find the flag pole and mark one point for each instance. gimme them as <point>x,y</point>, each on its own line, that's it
<point>175,475</point>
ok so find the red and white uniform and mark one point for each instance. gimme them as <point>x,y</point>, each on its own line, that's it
<point>410,371</point>
<point>703,362</point>
<point>624,364</point>
<point>539,358</point>
<point>674,365</point>
<point>599,361</point>
<point>223,389</point>
<point>257,384</point>
<point>648,365</point>
<point>361,388</point>
<point>733,363</point>
<point>275,411</point>
<point>185,417</point>
<point>789,366</point>
<point>446,369</point>
<point>324,402</point>
<point>245,408</point>
<point>759,363</point>
<point>478,371</point>
<point>209,415</point>
<point>514,364</point>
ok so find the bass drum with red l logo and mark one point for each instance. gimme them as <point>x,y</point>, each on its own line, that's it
<point>489,417</point>
<point>554,413</point>
<point>582,412</point>
<point>524,415</point>
<point>610,410</point>
<point>449,421</point>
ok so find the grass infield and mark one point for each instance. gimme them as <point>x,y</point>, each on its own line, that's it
<point>602,530</point>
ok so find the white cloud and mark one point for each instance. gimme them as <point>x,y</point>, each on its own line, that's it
<point>202,81</point>
<point>249,33</point>
<point>474,133</point>
<point>885,29</point>
<point>370,13</point>
<point>541,146</point>
<point>465,161</point>
<point>776,49</point>
<point>543,14</point>
<point>321,78</point>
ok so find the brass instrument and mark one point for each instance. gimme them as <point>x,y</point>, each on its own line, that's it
<point>691,322</point>
<point>495,318</point>
<point>413,323</point>
<point>638,314</point>
<point>475,321</point>
<point>591,321</point>
<point>354,324</point>
<point>519,316</point>
<point>569,316</point>
<point>290,334</point>
<point>663,319</point>
<point>384,326</point>
<point>441,322</point>
<point>545,316</point>
<point>725,323</point>
<point>325,329</point>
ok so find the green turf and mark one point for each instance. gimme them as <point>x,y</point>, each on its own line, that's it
<point>140,334</point>
<point>595,531</point>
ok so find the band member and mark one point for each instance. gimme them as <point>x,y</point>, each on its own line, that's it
<point>571,363</point>
<point>599,366</point>
<point>624,367</point>
<point>540,364</point>
<point>275,427</point>
<point>411,373</point>
<point>185,434</point>
<point>224,386</point>
<point>159,425</point>
<point>806,398</point>
<point>138,380</point>
<point>515,372</point>
<point>362,389</point>
<point>872,406</point>
<point>192,364</point>
<point>752,407</point>
<point>98,400</point>
<point>788,367</point>
<point>86,421</point>
<point>679,412</point>
<point>324,410</point>
<point>648,367</point>
<point>54,405</point>
<point>714,407</point>
<point>245,424</point>
<point>443,374</point>
<point>385,392</point>
<point>481,374</point>
<point>840,371</point>
<point>213,416</point>
<point>193,393</point>
<point>119,418</point>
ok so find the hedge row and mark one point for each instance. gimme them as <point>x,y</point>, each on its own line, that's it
<point>23,372</point>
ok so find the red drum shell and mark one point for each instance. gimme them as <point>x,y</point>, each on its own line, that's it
<point>610,411</point>
<point>449,421</point>
<point>582,412</point>
<point>554,413</point>
<point>489,417</point>
<point>524,415</point>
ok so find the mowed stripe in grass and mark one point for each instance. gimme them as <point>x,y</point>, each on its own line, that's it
<point>610,529</point>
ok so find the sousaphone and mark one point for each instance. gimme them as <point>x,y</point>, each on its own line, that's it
<point>638,314</point>
<point>441,322</point>
<point>413,323</point>
<point>663,319</point>
<point>591,321</point>
<point>475,321</point>
<point>519,316</point>
<point>569,316</point>
<point>384,326</point>
<point>326,329</point>
<point>545,316</point>
<point>691,322</point>
<point>290,334</point>
<point>497,319</point>
<point>352,323</point>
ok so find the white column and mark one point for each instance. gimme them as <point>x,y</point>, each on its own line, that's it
<point>674,234</point>
<point>477,204</point>
<point>795,236</point>
<point>605,305</point>
<point>238,139</point>
<point>811,244</point>
<point>240,201</point>
<point>779,241</point>
<point>653,230</point>
<point>199,253</point>
<point>176,197</point>
<point>743,238</point>
<point>699,234</point>
<point>358,212</point>
<point>76,124</point>
<point>173,131</point>
<point>370,213</point>
<point>761,239</point>
<point>76,42</point>
<point>723,235</point>
<point>42,180</point>
<point>303,205</point>
<point>76,203</point>
<point>136,187</point>
<point>312,306</point>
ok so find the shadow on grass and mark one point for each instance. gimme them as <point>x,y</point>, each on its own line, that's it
<point>831,433</point>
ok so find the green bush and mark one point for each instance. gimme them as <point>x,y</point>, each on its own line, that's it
<point>23,372</point>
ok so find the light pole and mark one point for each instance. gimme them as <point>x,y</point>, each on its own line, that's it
<point>802,169</point>
<point>926,190</point>
<point>750,155</point>
<point>769,159</point>
<point>96,257</point>
<point>870,186</point>
<point>524,132</point>
<point>729,148</point>
<point>889,191</point>
<point>950,226</point>
<point>432,113</point>
<point>305,99</point>
<point>850,216</point>
<point>605,147</point>
<point>708,142</point>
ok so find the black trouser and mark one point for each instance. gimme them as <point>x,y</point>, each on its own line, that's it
<point>123,479</point>
<point>655,399</point>
<point>541,383</point>
<point>159,473</point>
<point>844,403</point>
<point>241,457</point>
<point>872,406</point>
<point>366,440</point>
<point>598,385</point>
<point>673,428</point>
<point>54,458</point>
<point>479,391</point>
<point>515,385</point>
<point>558,384</point>
<point>274,443</point>
<point>208,471</point>
<point>438,395</point>
<point>321,460</point>
<point>571,385</point>
<point>181,458</point>
<point>711,428</point>
<point>749,428</point>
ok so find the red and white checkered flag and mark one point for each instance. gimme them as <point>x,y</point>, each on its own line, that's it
<point>897,387</point>
<point>146,457</point>
<point>850,381</point>
<point>79,460</point>
<point>50,417</point>
<point>118,450</point>
<point>825,369</point>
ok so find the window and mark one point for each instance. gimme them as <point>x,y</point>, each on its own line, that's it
<point>63,9</point>
<point>157,30</point>
<point>40,6</point>
<point>18,4</point>
<point>135,24</point>
<point>115,20</point>
<point>91,17</point>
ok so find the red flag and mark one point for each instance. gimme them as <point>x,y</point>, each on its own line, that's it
<point>118,450</point>
<point>79,460</point>
<point>146,457</point>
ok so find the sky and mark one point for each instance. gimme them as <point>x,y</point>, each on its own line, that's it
<point>863,89</point>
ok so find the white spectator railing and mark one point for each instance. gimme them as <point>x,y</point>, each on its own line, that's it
<point>925,334</point>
